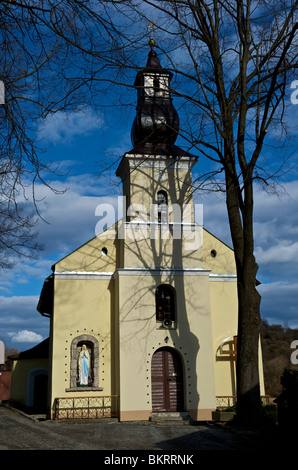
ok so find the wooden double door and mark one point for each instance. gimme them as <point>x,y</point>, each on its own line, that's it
<point>167,381</point>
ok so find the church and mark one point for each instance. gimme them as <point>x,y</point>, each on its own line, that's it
<point>143,317</point>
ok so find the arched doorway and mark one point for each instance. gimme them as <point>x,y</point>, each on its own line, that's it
<point>40,393</point>
<point>167,381</point>
<point>37,389</point>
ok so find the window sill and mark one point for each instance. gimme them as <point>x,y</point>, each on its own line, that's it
<point>84,389</point>
<point>162,327</point>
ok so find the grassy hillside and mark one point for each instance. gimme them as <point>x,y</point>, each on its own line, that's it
<point>276,349</point>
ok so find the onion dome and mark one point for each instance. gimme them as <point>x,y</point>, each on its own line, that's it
<point>156,122</point>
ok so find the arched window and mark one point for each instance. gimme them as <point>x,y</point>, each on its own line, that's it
<point>162,207</point>
<point>165,305</point>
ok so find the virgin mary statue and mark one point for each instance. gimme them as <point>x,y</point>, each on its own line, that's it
<point>84,365</point>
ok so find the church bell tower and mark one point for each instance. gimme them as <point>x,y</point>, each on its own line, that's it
<point>162,287</point>
<point>156,124</point>
<point>156,174</point>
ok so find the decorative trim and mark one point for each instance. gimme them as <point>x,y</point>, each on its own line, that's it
<point>186,226</point>
<point>134,271</point>
<point>158,271</point>
<point>83,275</point>
<point>161,165</point>
<point>84,389</point>
<point>223,277</point>
<point>158,162</point>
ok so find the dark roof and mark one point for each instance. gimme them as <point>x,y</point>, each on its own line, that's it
<point>45,303</point>
<point>40,351</point>
<point>153,60</point>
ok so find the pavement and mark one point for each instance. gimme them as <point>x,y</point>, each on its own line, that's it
<point>19,431</point>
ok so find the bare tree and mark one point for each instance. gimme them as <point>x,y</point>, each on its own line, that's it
<point>235,61</point>
<point>50,52</point>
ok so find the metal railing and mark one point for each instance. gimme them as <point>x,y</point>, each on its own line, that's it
<point>86,407</point>
<point>223,402</point>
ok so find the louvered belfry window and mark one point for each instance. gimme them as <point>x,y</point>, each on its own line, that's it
<point>162,204</point>
<point>165,303</point>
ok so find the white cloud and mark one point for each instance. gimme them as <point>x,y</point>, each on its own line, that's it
<point>63,126</point>
<point>25,336</point>
<point>71,220</point>
<point>281,253</point>
<point>279,302</point>
<point>16,309</point>
<point>68,218</point>
<point>20,322</point>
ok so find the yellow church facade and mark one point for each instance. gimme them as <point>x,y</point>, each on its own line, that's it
<point>143,317</point>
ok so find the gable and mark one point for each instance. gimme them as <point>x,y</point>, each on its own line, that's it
<point>217,256</point>
<point>97,255</point>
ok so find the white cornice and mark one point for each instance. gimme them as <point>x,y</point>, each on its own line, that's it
<point>132,271</point>
<point>83,275</point>
<point>136,271</point>
<point>223,277</point>
<point>159,162</point>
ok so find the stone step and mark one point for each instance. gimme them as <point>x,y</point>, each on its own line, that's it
<point>171,418</point>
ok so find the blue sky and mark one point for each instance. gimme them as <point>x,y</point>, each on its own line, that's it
<point>85,142</point>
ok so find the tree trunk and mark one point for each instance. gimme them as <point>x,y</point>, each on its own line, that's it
<point>241,224</point>
<point>249,322</point>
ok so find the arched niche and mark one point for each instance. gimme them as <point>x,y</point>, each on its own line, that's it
<point>92,348</point>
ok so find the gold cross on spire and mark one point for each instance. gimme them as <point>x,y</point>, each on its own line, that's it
<point>152,27</point>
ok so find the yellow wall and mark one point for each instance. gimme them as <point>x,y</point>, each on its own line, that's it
<point>82,307</point>
<point>164,250</point>
<point>112,298</point>
<point>19,382</point>
<point>224,308</point>
<point>224,261</point>
<point>224,327</point>
<point>141,336</point>
<point>90,258</point>
<point>143,176</point>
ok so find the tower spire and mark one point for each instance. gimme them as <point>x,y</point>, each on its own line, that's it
<point>153,61</point>
<point>152,27</point>
<point>156,122</point>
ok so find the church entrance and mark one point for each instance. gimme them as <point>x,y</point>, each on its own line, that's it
<point>167,381</point>
<point>37,390</point>
<point>40,393</point>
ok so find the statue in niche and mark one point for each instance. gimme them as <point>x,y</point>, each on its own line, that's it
<point>84,366</point>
